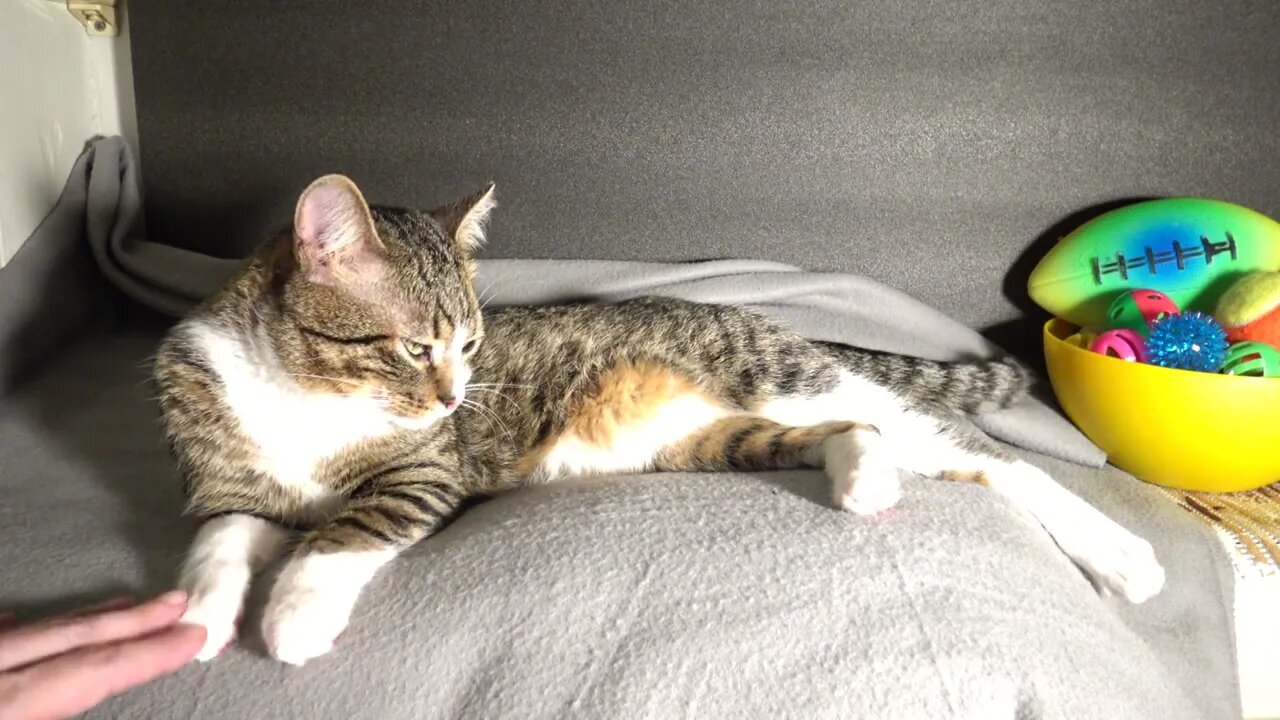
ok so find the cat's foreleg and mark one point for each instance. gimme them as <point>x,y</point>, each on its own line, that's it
<point>228,550</point>
<point>312,599</point>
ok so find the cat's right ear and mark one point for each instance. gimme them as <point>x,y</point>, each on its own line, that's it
<point>465,219</point>
<point>333,234</point>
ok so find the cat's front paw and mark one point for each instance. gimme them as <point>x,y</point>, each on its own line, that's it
<point>219,616</point>
<point>216,591</point>
<point>302,621</point>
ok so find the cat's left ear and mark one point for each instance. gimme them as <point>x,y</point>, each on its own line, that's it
<point>465,219</point>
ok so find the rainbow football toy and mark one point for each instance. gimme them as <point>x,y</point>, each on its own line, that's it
<point>1190,249</point>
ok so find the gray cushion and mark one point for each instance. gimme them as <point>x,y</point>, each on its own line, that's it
<point>709,595</point>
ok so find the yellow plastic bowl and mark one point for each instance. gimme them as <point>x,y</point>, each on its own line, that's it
<point>1181,429</point>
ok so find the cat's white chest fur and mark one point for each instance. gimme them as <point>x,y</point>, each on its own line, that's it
<point>294,430</point>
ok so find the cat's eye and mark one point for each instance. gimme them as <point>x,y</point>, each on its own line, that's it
<point>416,349</point>
<point>469,346</point>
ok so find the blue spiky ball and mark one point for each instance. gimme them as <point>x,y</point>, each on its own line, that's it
<point>1190,341</point>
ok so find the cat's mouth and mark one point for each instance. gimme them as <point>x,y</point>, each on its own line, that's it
<point>419,421</point>
<point>418,415</point>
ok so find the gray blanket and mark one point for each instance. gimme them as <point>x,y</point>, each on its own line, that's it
<point>656,596</point>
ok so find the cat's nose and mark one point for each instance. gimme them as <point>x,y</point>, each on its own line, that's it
<point>450,402</point>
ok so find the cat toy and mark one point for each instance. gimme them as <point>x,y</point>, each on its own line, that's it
<point>1250,308</point>
<point>1252,359</point>
<point>1136,309</point>
<point>1187,248</point>
<point>1121,343</point>
<point>1189,341</point>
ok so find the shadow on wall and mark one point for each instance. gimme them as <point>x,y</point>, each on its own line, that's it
<point>1022,336</point>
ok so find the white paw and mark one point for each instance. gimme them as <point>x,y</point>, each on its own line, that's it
<point>218,615</point>
<point>217,572</point>
<point>870,495</point>
<point>1120,563</point>
<point>216,591</point>
<point>312,600</point>
<point>302,622</point>
<point>863,479</point>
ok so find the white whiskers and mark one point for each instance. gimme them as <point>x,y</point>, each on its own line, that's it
<point>488,415</point>
<point>483,301</point>
<point>512,403</point>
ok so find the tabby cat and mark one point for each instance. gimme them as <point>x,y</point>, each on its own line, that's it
<point>318,405</point>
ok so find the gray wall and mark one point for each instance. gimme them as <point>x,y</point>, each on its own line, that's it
<point>933,145</point>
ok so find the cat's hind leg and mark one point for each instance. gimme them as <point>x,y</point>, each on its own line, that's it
<point>227,552</point>
<point>1115,559</point>
<point>747,442</point>
<point>864,463</point>
<point>853,455</point>
<point>864,467</point>
<point>864,475</point>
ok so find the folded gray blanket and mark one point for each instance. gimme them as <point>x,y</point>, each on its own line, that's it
<point>715,595</point>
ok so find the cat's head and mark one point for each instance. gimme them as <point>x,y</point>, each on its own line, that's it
<point>382,299</point>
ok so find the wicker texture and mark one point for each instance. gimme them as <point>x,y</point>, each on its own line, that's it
<point>1251,518</point>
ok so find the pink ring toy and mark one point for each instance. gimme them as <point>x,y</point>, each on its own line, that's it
<point>1121,343</point>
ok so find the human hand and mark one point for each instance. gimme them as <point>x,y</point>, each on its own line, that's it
<point>56,668</point>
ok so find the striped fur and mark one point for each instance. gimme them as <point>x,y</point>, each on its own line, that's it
<point>969,387</point>
<point>747,442</point>
<point>345,387</point>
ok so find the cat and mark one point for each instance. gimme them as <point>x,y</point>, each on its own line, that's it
<point>319,405</point>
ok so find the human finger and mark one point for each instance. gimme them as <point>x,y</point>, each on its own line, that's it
<point>9,619</point>
<point>80,679</point>
<point>25,645</point>
<point>115,603</point>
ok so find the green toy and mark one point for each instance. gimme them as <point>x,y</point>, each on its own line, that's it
<point>1255,359</point>
<point>1136,310</point>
